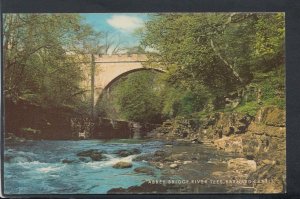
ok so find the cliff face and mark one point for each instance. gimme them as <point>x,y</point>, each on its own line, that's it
<point>34,122</point>
<point>260,139</point>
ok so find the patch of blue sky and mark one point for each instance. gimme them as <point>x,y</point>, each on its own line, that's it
<point>122,25</point>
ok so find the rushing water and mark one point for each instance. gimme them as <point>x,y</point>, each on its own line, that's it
<point>35,167</point>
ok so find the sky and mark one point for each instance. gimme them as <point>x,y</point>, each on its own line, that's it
<point>120,25</point>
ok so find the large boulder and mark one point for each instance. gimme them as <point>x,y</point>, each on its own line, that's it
<point>127,152</point>
<point>230,144</point>
<point>122,165</point>
<point>94,154</point>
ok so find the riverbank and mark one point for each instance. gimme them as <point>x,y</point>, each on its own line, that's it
<point>191,168</point>
<point>227,152</point>
<point>224,153</point>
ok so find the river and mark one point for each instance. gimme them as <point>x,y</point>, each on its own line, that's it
<point>35,167</point>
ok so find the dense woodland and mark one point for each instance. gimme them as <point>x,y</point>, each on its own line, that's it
<point>212,61</point>
<point>228,62</point>
<point>43,55</point>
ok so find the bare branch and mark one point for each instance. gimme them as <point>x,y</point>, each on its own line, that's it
<point>225,62</point>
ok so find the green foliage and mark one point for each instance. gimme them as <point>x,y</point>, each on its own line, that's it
<point>137,97</point>
<point>269,36</point>
<point>220,51</point>
<point>42,57</point>
<point>144,96</point>
<point>179,102</point>
<point>248,108</point>
<point>207,56</point>
<point>278,102</point>
<point>272,89</point>
<point>135,50</point>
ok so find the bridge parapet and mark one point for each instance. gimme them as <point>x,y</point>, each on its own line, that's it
<point>121,58</point>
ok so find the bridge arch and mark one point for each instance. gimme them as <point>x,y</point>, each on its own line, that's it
<point>109,84</point>
<point>128,72</point>
<point>110,68</point>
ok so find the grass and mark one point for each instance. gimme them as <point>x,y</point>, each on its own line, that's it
<point>248,108</point>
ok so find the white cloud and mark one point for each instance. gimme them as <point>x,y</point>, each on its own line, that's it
<point>125,23</point>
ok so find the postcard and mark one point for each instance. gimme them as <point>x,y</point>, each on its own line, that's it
<point>139,103</point>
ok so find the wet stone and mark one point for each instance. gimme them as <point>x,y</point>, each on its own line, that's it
<point>122,165</point>
<point>145,170</point>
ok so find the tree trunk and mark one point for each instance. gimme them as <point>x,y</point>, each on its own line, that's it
<point>92,86</point>
<point>225,62</point>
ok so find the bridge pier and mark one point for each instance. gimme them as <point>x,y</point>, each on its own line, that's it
<point>136,128</point>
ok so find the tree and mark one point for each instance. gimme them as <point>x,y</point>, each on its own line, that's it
<point>43,55</point>
<point>135,50</point>
<point>269,40</point>
<point>138,99</point>
<point>179,101</point>
<point>111,43</point>
<point>218,51</point>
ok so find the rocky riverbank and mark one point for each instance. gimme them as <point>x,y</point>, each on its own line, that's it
<point>191,168</point>
<point>261,139</point>
<point>224,152</point>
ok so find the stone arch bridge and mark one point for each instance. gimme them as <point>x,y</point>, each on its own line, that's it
<point>109,68</point>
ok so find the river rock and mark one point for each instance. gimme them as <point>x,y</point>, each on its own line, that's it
<point>266,161</point>
<point>127,152</point>
<point>66,161</point>
<point>159,165</point>
<point>94,154</point>
<point>160,153</point>
<point>173,166</point>
<point>176,157</point>
<point>158,156</point>
<point>87,153</point>
<point>196,141</point>
<point>121,165</point>
<point>187,162</point>
<point>145,170</point>
<point>241,164</point>
<point>143,157</point>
